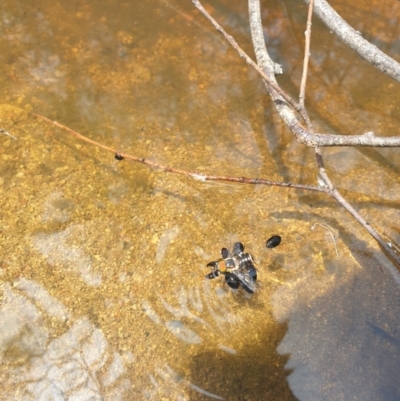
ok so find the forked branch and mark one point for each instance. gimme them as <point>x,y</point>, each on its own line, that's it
<point>305,136</point>
<point>282,99</point>
<point>282,102</point>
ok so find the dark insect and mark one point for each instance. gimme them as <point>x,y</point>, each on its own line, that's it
<point>237,267</point>
<point>241,278</point>
<point>119,156</point>
<point>274,241</point>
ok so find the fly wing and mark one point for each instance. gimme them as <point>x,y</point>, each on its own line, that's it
<point>245,280</point>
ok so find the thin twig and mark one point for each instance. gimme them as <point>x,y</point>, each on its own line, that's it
<point>193,174</point>
<point>7,133</point>
<point>334,193</point>
<point>331,232</point>
<point>248,60</point>
<point>306,55</point>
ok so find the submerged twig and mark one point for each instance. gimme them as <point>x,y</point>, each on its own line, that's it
<point>7,133</point>
<point>193,174</point>
<point>330,230</point>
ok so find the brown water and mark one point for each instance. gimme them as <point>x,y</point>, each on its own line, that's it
<point>102,264</point>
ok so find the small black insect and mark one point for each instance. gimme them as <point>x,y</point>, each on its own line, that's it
<point>274,241</point>
<point>237,267</point>
<point>118,156</point>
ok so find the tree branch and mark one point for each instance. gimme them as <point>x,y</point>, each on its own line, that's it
<point>281,99</point>
<point>288,116</point>
<point>367,139</point>
<point>282,102</point>
<point>268,76</point>
<point>193,174</point>
<point>355,41</point>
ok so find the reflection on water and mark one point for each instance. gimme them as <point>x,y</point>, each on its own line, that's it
<point>102,265</point>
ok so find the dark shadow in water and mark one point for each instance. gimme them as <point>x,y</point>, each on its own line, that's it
<point>335,350</point>
<point>257,373</point>
<point>344,342</point>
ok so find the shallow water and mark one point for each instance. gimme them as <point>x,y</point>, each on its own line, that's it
<point>103,294</point>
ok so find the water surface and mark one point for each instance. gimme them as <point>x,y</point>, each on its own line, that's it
<point>102,265</point>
